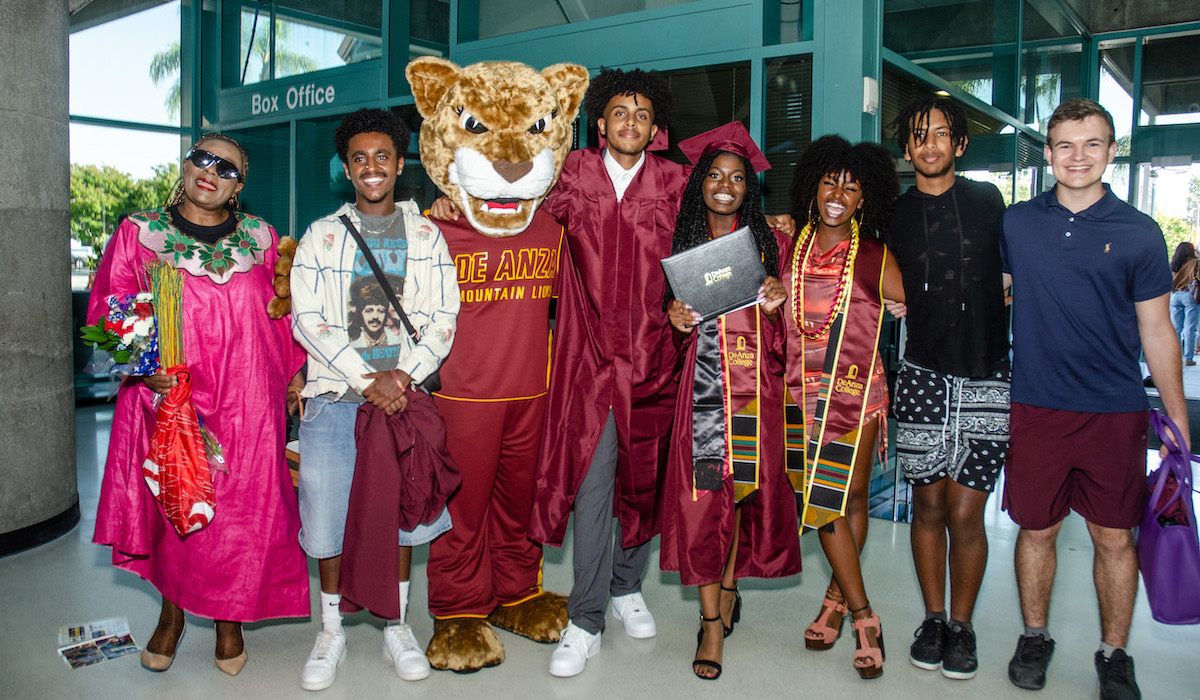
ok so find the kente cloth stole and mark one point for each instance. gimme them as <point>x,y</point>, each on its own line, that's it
<point>843,390</point>
<point>725,438</point>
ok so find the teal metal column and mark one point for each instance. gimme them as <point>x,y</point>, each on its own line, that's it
<point>848,36</point>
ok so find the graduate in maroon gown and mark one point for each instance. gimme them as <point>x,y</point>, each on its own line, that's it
<point>612,385</point>
<point>729,510</point>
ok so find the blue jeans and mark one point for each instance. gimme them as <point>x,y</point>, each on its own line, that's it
<point>1185,313</point>
<point>327,453</point>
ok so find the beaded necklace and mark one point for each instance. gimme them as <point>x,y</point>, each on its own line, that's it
<point>839,297</point>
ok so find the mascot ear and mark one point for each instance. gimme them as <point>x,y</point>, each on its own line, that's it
<point>430,78</point>
<point>570,82</point>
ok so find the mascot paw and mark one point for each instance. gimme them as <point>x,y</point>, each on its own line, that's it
<point>281,305</point>
<point>542,618</point>
<point>464,645</point>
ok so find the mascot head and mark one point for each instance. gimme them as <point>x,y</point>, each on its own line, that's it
<point>495,135</point>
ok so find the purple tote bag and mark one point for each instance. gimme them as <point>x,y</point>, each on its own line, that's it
<point>1168,547</point>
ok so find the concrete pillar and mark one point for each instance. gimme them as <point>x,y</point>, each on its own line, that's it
<point>38,495</point>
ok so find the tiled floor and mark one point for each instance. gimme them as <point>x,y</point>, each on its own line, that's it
<point>69,580</point>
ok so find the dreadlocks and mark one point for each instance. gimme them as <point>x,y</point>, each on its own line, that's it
<point>691,228</point>
<point>176,196</point>
<point>917,113</point>
<point>650,84</point>
<point>868,164</point>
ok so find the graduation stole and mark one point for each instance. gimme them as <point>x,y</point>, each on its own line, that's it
<point>853,330</point>
<point>726,395</point>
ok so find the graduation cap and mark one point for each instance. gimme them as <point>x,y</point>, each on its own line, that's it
<point>731,137</point>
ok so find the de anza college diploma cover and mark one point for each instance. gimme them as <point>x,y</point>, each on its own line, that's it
<point>719,276</point>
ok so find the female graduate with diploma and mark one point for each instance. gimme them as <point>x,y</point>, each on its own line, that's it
<point>729,510</point>
<point>836,272</point>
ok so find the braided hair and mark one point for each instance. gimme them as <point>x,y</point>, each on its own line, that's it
<point>651,84</point>
<point>691,227</point>
<point>917,112</point>
<point>868,164</point>
<point>176,196</point>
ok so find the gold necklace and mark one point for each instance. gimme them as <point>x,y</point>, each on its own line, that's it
<point>839,297</point>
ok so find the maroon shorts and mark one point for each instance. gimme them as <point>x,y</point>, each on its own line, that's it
<point>1091,463</point>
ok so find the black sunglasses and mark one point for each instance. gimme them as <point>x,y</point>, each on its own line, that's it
<point>224,169</point>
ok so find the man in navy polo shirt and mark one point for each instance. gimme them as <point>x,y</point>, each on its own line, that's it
<point>1091,279</point>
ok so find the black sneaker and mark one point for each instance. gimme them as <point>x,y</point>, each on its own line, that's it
<point>1116,676</point>
<point>926,651</point>
<point>959,660</point>
<point>1027,669</point>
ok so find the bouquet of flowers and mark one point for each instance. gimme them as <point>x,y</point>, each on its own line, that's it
<point>129,333</point>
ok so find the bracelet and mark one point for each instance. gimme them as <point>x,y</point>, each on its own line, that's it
<point>396,378</point>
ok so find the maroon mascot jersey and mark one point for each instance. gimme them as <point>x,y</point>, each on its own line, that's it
<point>493,398</point>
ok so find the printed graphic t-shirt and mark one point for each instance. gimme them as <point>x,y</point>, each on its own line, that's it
<point>375,329</point>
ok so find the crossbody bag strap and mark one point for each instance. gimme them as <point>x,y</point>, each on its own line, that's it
<point>383,280</point>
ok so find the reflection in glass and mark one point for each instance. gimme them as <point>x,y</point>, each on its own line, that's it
<point>787,100</point>
<point>1170,82</point>
<point>284,38</point>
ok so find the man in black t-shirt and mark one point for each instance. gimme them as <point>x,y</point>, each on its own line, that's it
<point>951,399</point>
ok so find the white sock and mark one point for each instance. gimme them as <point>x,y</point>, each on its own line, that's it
<point>331,615</point>
<point>403,601</point>
<point>403,604</point>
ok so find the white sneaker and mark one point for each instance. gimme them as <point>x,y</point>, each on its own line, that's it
<point>327,654</point>
<point>576,647</point>
<point>400,646</point>
<point>631,611</point>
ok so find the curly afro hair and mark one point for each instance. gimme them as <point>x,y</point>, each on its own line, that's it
<point>365,121</point>
<point>868,164</point>
<point>610,83</point>
<point>691,228</point>
<point>917,112</point>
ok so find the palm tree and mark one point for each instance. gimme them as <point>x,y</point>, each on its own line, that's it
<point>165,64</point>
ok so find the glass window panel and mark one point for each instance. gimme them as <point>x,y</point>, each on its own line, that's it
<point>787,99</point>
<point>1171,80</point>
<point>114,77</point>
<point>706,98</point>
<point>1050,76</point>
<point>293,38</point>
<point>1171,196</point>
<point>784,20</point>
<point>429,28</point>
<point>481,19</point>
<point>970,43</point>
<point>267,192</point>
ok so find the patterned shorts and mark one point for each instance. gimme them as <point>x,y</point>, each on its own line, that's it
<point>950,426</point>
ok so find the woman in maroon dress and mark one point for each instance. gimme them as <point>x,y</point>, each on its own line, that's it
<point>836,272</point>
<point>729,510</point>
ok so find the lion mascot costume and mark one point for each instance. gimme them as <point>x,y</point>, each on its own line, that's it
<point>494,140</point>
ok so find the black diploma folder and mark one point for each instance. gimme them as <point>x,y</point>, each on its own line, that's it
<point>719,276</point>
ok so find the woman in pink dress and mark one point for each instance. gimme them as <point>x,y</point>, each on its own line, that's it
<point>837,272</point>
<point>246,565</point>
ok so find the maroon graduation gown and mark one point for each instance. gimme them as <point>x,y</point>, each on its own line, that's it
<point>696,534</point>
<point>612,345</point>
